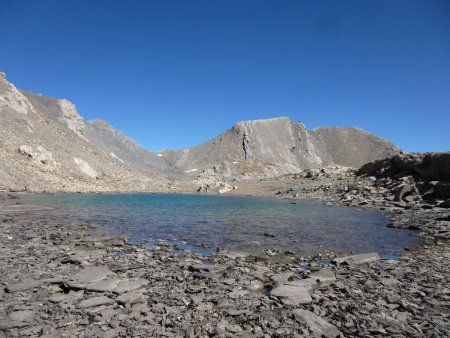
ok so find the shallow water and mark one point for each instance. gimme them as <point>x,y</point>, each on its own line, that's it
<point>205,223</point>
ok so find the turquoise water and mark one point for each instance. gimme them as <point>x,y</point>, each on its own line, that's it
<point>204,223</point>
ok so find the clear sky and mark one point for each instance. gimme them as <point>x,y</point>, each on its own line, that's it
<point>172,74</point>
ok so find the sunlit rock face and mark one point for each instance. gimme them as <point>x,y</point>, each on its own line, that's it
<point>278,146</point>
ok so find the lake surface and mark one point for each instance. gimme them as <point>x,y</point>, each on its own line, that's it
<point>203,223</point>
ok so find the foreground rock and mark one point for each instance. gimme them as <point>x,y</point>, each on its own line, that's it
<point>67,280</point>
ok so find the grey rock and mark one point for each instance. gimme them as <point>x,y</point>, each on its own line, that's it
<point>12,324</point>
<point>26,285</point>
<point>106,285</point>
<point>253,249</point>
<point>403,191</point>
<point>324,277</point>
<point>22,316</point>
<point>357,259</point>
<point>131,285</point>
<point>445,204</point>
<point>295,292</point>
<point>95,301</point>
<point>131,298</point>
<point>317,325</point>
<point>93,274</point>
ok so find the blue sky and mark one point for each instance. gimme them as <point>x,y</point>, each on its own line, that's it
<point>172,74</point>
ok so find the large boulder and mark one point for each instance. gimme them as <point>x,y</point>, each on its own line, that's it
<point>426,166</point>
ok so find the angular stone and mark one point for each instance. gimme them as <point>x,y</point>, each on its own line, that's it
<point>445,204</point>
<point>213,268</point>
<point>11,324</point>
<point>22,316</point>
<point>403,191</point>
<point>131,285</point>
<point>253,249</point>
<point>66,297</point>
<point>31,284</point>
<point>357,259</point>
<point>295,292</point>
<point>95,301</point>
<point>107,285</point>
<point>93,274</point>
<point>317,325</point>
<point>131,298</point>
<point>282,277</point>
<point>324,277</point>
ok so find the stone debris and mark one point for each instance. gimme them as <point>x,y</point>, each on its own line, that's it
<point>295,292</point>
<point>318,326</point>
<point>59,279</point>
<point>357,259</point>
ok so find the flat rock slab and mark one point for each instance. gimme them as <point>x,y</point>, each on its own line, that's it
<point>107,285</point>
<point>357,259</point>
<point>22,286</point>
<point>323,277</point>
<point>95,301</point>
<point>93,274</point>
<point>66,297</point>
<point>131,285</point>
<point>131,298</point>
<point>12,324</point>
<point>253,249</point>
<point>317,325</point>
<point>22,315</point>
<point>295,292</point>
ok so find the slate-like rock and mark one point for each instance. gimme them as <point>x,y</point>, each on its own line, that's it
<point>295,292</point>
<point>317,325</point>
<point>131,285</point>
<point>323,277</point>
<point>95,301</point>
<point>22,286</point>
<point>357,259</point>
<point>252,248</point>
<point>93,274</point>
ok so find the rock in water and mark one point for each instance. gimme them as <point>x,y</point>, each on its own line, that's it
<point>357,259</point>
<point>253,249</point>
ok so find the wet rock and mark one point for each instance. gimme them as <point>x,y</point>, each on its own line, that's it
<point>357,259</point>
<point>317,325</point>
<point>253,249</point>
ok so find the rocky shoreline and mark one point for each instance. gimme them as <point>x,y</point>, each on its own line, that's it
<point>69,280</point>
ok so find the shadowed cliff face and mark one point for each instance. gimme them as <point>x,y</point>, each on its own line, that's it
<point>47,145</point>
<point>278,146</point>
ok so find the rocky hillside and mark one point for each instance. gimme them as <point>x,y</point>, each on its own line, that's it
<point>278,146</point>
<point>46,145</point>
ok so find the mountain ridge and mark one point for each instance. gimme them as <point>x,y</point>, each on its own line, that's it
<point>47,144</point>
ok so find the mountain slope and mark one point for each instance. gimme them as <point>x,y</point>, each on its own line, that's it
<point>278,146</point>
<point>45,145</point>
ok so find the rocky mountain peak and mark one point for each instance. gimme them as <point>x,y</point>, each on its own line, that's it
<point>12,99</point>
